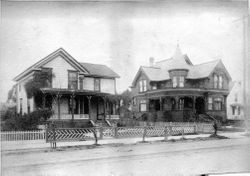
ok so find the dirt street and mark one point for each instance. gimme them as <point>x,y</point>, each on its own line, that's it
<point>157,158</point>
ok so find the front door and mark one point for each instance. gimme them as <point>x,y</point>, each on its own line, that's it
<point>200,105</point>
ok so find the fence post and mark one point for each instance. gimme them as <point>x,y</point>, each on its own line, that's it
<point>95,136</point>
<point>101,132</point>
<point>182,132</point>
<point>116,132</point>
<point>195,128</point>
<point>46,133</point>
<point>54,136</point>
<point>166,133</point>
<point>144,133</point>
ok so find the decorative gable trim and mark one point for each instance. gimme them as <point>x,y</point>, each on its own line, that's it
<point>221,65</point>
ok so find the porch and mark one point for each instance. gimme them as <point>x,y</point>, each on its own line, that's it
<point>80,105</point>
<point>176,108</point>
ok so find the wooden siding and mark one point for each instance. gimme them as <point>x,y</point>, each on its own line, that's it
<point>60,69</point>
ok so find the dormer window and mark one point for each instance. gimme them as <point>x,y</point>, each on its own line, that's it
<point>143,85</point>
<point>178,81</point>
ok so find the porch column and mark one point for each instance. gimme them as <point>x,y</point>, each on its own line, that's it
<point>194,101</point>
<point>72,105</point>
<point>58,96</point>
<point>177,102</point>
<point>44,100</point>
<point>104,106</point>
<point>160,103</point>
<point>89,101</point>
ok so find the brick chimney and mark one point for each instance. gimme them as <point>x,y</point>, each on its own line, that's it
<point>151,61</point>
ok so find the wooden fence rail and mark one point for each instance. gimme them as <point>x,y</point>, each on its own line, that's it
<point>69,134</point>
<point>22,135</point>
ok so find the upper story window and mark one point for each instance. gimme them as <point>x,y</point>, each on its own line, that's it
<point>72,79</point>
<point>215,81</point>
<point>20,87</point>
<point>46,73</point>
<point>154,86</point>
<point>178,81</point>
<point>218,81</point>
<point>143,85</point>
<point>81,82</point>
<point>97,84</point>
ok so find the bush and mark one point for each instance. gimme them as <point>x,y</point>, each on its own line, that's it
<point>27,121</point>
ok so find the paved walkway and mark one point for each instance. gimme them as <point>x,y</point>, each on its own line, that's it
<point>11,146</point>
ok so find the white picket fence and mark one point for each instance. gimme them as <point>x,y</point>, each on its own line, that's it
<point>22,135</point>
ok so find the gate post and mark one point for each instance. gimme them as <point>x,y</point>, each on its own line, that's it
<point>101,132</point>
<point>116,132</point>
<point>182,133</point>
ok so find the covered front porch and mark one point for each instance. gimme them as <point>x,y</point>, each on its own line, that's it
<point>80,105</point>
<point>177,108</point>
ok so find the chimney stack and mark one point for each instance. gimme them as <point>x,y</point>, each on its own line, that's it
<point>151,61</point>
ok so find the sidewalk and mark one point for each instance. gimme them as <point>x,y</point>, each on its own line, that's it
<point>12,146</point>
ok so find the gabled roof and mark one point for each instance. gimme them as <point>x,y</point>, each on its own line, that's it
<point>160,71</point>
<point>99,70</point>
<point>202,70</point>
<point>86,69</point>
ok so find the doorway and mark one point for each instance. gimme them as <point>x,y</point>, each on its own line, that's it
<point>200,105</point>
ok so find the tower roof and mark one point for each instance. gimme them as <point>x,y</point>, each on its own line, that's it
<point>178,61</point>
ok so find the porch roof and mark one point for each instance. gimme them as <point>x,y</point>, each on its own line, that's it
<point>76,92</point>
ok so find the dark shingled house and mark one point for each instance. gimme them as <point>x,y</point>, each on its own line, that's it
<point>176,90</point>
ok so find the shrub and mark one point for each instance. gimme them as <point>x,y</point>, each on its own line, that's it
<point>27,121</point>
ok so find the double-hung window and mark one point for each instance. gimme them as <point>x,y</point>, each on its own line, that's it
<point>178,81</point>
<point>210,103</point>
<point>218,104</point>
<point>142,85</point>
<point>97,84</point>
<point>215,81</point>
<point>143,106</point>
<point>175,81</point>
<point>181,81</point>
<point>220,82</point>
<point>72,79</point>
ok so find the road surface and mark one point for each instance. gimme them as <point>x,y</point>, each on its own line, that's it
<point>157,158</point>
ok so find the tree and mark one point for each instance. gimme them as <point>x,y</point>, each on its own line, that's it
<point>40,80</point>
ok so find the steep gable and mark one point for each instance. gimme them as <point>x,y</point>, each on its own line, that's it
<point>60,52</point>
